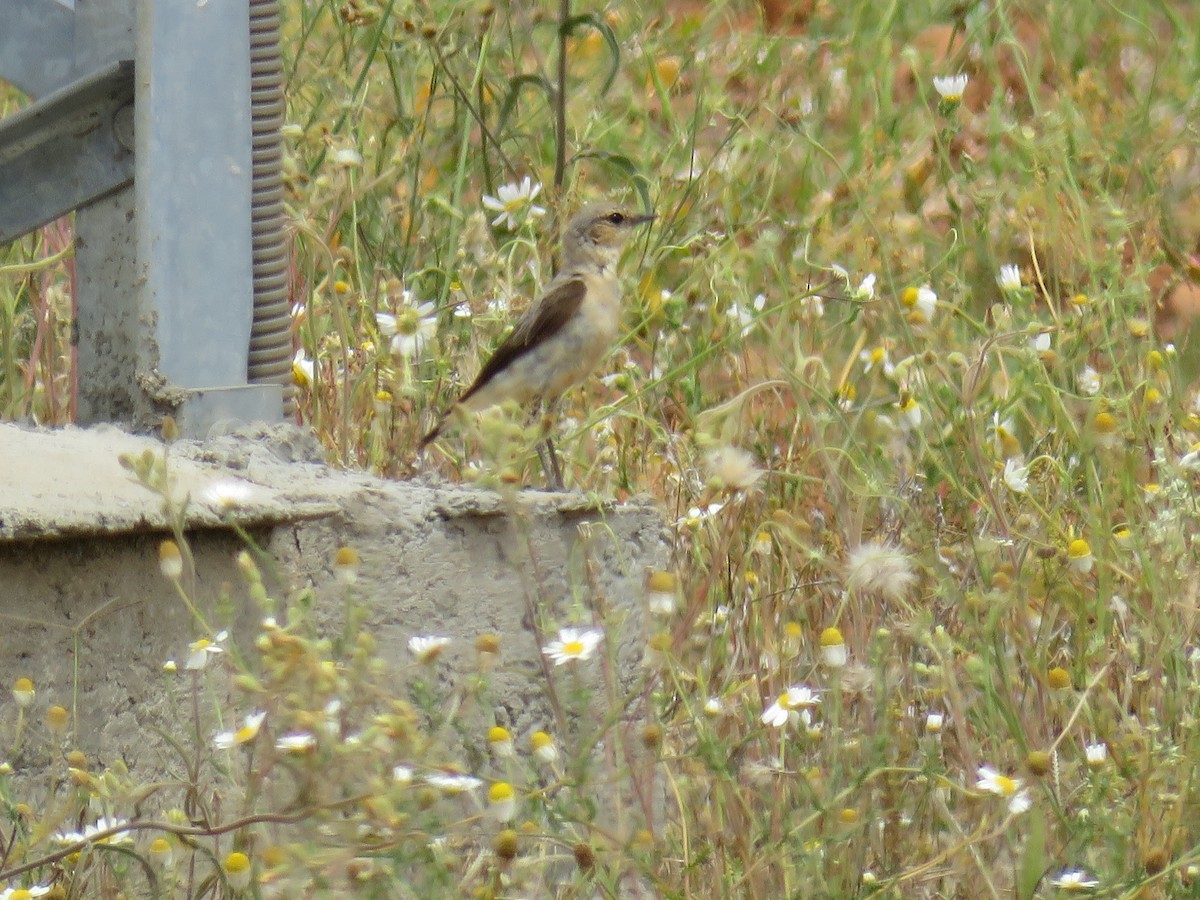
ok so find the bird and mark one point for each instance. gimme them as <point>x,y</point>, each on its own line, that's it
<point>562,337</point>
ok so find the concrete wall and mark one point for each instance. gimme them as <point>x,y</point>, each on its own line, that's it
<point>87,614</point>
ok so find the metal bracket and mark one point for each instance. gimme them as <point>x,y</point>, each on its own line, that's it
<point>69,149</point>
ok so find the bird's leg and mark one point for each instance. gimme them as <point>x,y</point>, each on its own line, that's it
<point>547,455</point>
<point>554,475</point>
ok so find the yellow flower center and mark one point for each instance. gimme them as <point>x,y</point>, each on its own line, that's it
<point>573,648</point>
<point>245,733</point>
<point>1079,549</point>
<point>407,322</point>
<point>1006,785</point>
<point>831,637</point>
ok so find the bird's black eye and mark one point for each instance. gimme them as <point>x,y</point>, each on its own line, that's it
<point>616,218</point>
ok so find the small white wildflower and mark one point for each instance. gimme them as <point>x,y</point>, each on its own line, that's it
<point>386,323</point>
<point>543,746</point>
<point>252,724</point>
<point>415,324</point>
<point>453,782</point>
<point>573,644</point>
<point>402,774</point>
<point>1088,381</point>
<point>698,514</point>
<point>923,303</point>
<point>502,801</point>
<point>92,832</point>
<point>427,648</point>
<point>1075,882</point>
<point>304,370</point>
<point>991,781</point>
<point>1190,461</point>
<point>515,204</point>
<point>227,493</point>
<point>1009,279</point>
<point>661,592</point>
<point>788,705</point>
<point>1097,754</point>
<point>199,651</point>
<point>877,357</point>
<point>834,653</point>
<point>951,87</point>
<point>296,742</point>
<point>866,289</point>
<point>37,890</point>
<point>747,318</point>
<point>1016,476</point>
<point>1019,803</point>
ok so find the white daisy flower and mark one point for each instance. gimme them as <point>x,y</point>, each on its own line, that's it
<point>1088,381</point>
<point>252,724</point>
<point>865,289</point>
<point>37,890</point>
<point>199,651</point>
<point>573,644</point>
<point>402,774</point>
<point>951,87</point>
<point>410,328</point>
<point>515,204</point>
<point>227,493</point>
<point>453,782</point>
<point>1009,279</point>
<point>1016,476</point>
<point>427,648</point>
<point>788,707</point>
<point>923,303</point>
<point>991,781</point>
<point>296,742</point>
<point>304,370</point>
<point>1075,881</point>
<point>744,317</point>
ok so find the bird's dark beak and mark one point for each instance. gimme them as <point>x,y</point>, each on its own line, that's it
<point>634,221</point>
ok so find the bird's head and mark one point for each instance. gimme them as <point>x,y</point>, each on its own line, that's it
<point>597,233</point>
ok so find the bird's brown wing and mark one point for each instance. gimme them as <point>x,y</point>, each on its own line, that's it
<point>553,311</point>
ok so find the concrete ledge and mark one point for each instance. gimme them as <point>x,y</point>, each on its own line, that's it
<point>89,617</point>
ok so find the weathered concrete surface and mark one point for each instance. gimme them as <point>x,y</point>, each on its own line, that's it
<point>86,613</point>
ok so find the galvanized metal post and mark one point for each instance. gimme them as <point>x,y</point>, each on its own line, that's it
<point>165,293</point>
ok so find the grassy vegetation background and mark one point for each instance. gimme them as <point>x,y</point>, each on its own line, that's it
<point>980,488</point>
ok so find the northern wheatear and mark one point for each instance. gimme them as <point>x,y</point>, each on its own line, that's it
<point>560,339</point>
